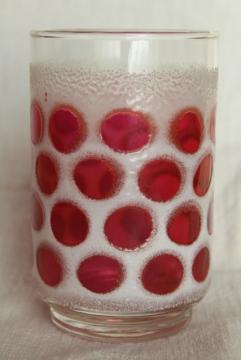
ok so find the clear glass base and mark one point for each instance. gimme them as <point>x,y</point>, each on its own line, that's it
<point>119,327</point>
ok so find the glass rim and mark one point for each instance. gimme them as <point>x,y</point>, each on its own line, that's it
<point>171,34</point>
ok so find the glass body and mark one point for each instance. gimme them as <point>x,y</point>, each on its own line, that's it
<point>122,128</point>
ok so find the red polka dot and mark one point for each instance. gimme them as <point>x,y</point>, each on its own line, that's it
<point>210,218</point>
<point>37,123</point>
<point>37,213</point>
<point>49,265</point>
<point>46,174</point>
<point>162,274</point>
<point>100,274</point>
<point>97,178</point>
<point>211,126</point>
<point>201,265</point>
<point>126,130</point>
<point>128,227</point>
<point>187,130</point>
<point>203,175</point>
<point>69,223</point>
<point>184,225</point>
<point>67,129</point>
<point>160,179</point>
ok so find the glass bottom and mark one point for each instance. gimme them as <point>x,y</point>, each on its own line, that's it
<point>118,327</point>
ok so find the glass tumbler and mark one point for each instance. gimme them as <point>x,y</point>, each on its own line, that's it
<point>122,129</point>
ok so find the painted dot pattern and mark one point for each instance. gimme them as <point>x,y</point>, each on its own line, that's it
<point>203,175</point>
<point>162,274</point>
<point>37,213</point>
<point>211,126</point>
<point>127,227</point>
<point>160,179</point>
<point>210,218</point>
<point>184,225</point>
<point>46,173</point>
<point>37,123</point>
<point>49,265</point>
<point>201,265</point>
<point>100,274</point>
<point>67,129</point>
<point>126,130</point>
<point>97,178</point>
<point>187,130</point>
<point>69,223</point>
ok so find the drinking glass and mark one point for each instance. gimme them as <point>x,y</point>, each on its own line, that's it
<point>122,129</point>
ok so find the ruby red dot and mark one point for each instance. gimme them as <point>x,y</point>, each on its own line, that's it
<point>49,265</point>
<point>201,265</point>
<point>126,130</point>
<point>69,223</point>
<point>100,274</point>
<point>184,225</point>
<point>67,129</point>
<point>162,274</point>
<point>210,218</point>
<point>160,179</point>
<point>46,173</point>
<point>186,130</point>
<point>37,213</point>
<point>37,123</point>
<point>97,178</point>
<point>128,227</point>
<point>203,175</point>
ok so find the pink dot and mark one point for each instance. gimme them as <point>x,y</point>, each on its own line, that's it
<point>162,274</point>
<point>46,173</point>
<point>210,218</point>
<point>160,179</point>
<point>203,175</point>
<point>100,274</point>
<point>67,129</point>
<point>126,130</point>
<point>187,130</point>
<point>37,123</point>
<point>69,223</point>
<point>97,178</point>
<point>201,265</point>
<point>211,125</point>
<point>37,213</point>
<point>184,225</point>
<point>129,227</point>
<point>49,265</point>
